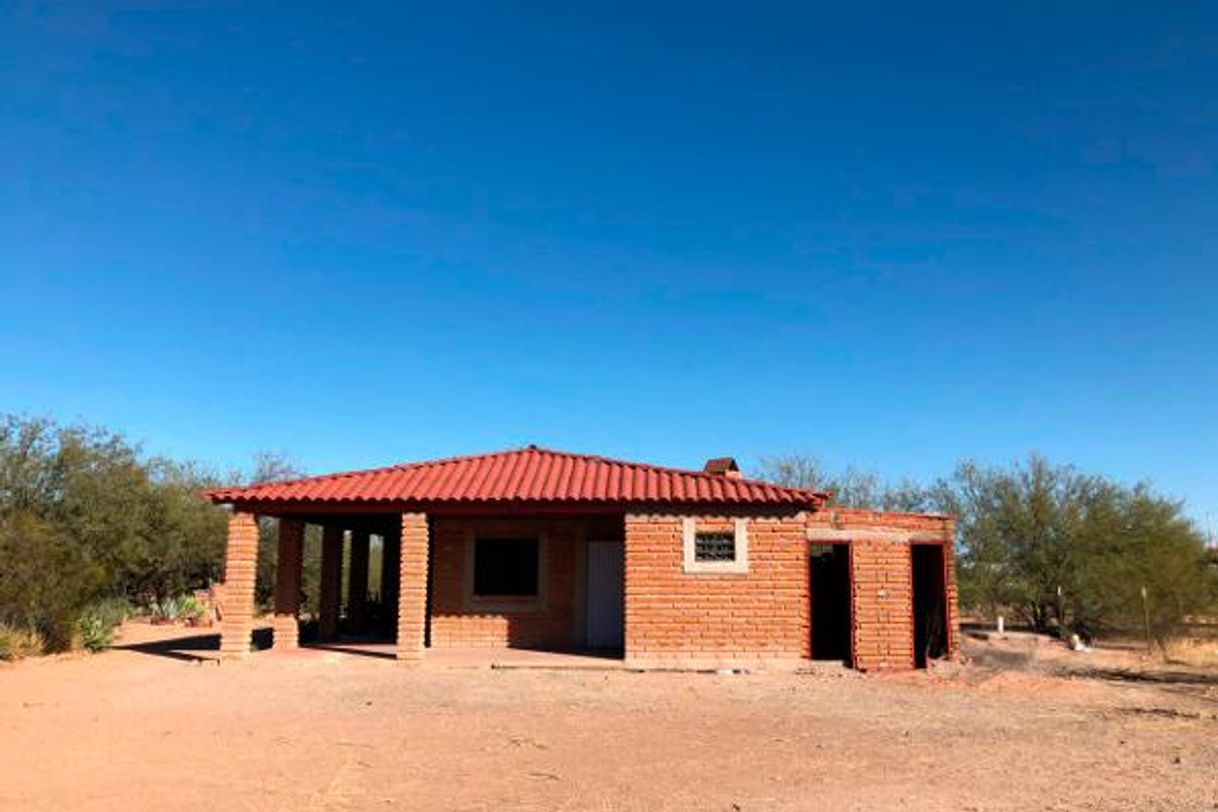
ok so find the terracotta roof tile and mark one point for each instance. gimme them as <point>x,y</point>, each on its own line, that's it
<point>529,474</point>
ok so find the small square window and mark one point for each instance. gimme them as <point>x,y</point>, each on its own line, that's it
<point>506,567</point>
<point>715,546</point>
<point>719,551</point>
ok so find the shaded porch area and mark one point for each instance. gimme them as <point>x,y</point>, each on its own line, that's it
<point>466,588</point>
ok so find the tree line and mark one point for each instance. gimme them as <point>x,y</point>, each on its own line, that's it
<point>1058,547</point>
<point>90,528</point>
<point>89,523</point>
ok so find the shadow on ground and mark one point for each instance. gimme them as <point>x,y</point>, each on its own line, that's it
<point>1196,684</point>
<point>195,648</point>
<point>340,648</point>
<point>200,647</point>
<point>1186,678</point>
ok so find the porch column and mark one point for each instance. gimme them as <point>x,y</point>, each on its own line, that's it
<point>412,588</point>
<point>287,584</point>
<point>331,581</point>
<point>357,577</point>
<point>240,567</point>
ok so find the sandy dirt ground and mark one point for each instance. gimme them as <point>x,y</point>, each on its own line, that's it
<point>1028,726</point>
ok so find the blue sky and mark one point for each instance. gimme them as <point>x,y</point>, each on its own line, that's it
<point>888,236</point>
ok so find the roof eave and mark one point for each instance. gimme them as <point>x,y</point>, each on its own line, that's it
<point>391,504</point>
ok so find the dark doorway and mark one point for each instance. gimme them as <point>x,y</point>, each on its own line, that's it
<point>929,603</point>
<point>829,566</point>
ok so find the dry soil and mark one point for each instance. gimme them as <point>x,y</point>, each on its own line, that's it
<point>1027,727</point>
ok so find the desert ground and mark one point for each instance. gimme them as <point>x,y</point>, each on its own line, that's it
<point>159,724</point>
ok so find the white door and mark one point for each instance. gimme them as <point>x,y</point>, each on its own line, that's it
<point>606,592</point>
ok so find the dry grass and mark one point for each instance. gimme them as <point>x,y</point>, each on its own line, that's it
<point>18,643</point>
<point>1198,652</point>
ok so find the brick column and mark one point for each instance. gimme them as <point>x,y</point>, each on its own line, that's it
<point>287,584</point>
<point>240,567</point>
<point>412,589</point>
<point>331,582</point>
<point>357,577</point>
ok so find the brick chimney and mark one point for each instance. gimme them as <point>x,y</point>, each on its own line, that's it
<point>722,466</point>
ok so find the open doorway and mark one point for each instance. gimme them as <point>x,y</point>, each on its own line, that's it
<point>829,584</point>
<point>929,603</point>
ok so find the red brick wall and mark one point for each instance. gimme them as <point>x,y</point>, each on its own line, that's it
<point>680,618</point>
<point>881,579</point>
<point>553,621</point>
<point>855,518</point>
<point>672,615</point>
<point>882,596</point>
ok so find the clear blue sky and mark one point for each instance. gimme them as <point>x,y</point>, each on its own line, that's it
<point>891,236</point>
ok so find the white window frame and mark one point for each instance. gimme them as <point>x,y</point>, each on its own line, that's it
<point>738,566</point>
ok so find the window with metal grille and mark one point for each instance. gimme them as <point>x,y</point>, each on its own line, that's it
<point>505,567</point>
<point>715,546</point>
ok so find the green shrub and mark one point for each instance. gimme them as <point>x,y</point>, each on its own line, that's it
<point>44,581</point>
<point>98,622</point>
<point>114,610</point>
<point>95,633</point>
<point>175,608</point>
<point>191,609</point>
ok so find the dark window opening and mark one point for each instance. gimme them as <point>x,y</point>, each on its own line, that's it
<point>505,567</point>
<point>715,546</point>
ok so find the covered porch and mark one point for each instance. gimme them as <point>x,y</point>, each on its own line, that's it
<point>450,581</point>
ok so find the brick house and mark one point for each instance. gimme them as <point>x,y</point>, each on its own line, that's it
<point>542,549</point>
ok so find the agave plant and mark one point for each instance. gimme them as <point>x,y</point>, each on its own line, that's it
<point>168,610</point>
<point>191,609</point>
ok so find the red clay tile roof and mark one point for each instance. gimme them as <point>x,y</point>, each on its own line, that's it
<point>527,474</point>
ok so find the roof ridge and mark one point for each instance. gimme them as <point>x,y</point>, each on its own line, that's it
<point>667,468</point>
